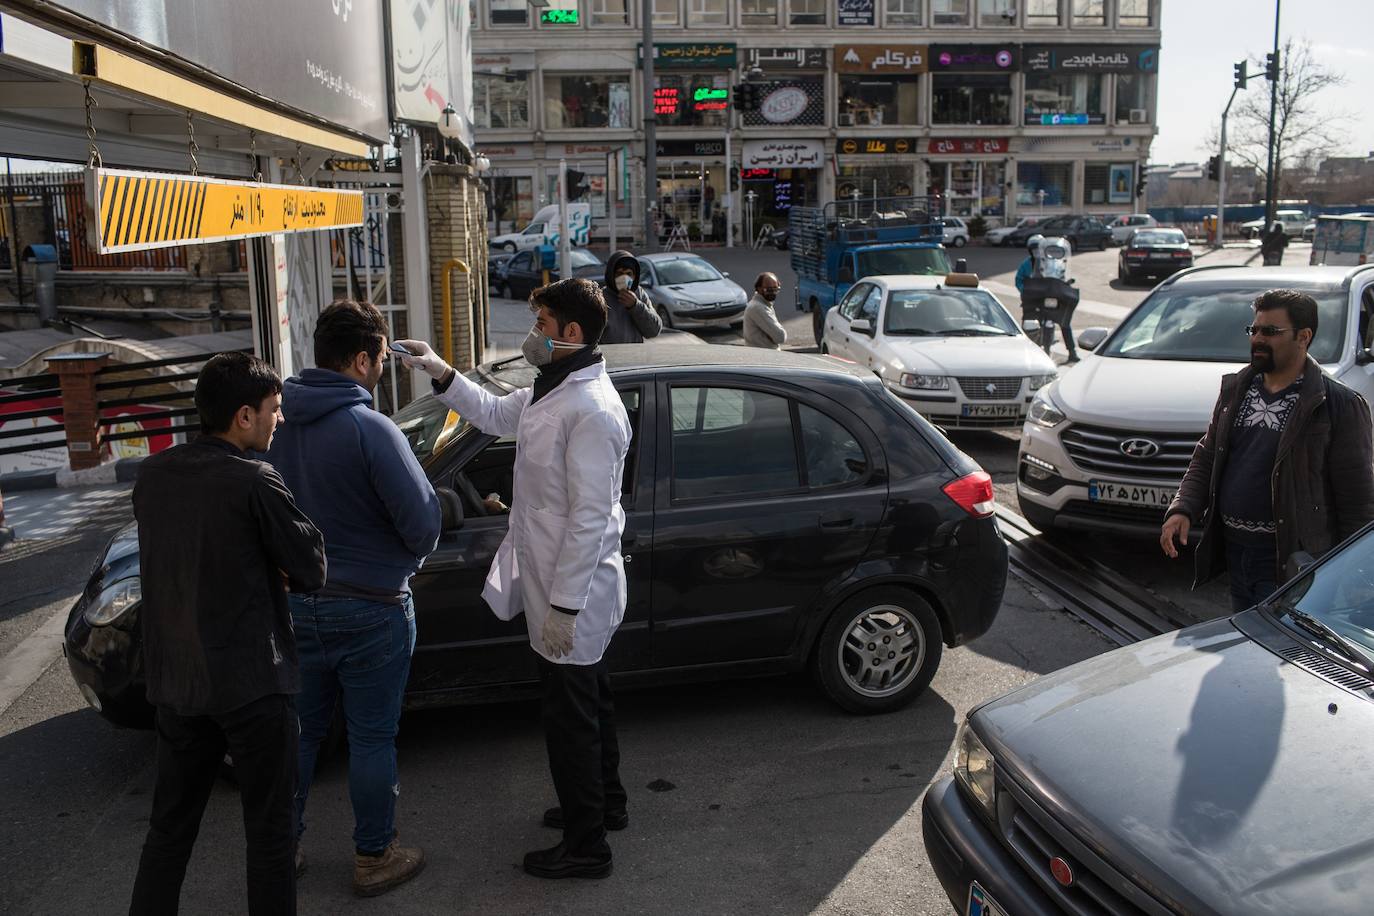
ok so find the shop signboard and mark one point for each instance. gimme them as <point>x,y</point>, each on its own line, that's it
<point>692,55</point>
<point>874,146</point>
<point>1121,177</point>
<point>968,146</point>
<point>885,58</point>
<point>790,102</point>
<point>710,98</point>
<point>783,154</point>
<point>1090,59</point>
<point>1063,118</point>
<point>770,60</point>
<point>973,58</point>
<point>856,12</point>
<point>502,61</point>
<point>694,149</point>
<point>428,41</point>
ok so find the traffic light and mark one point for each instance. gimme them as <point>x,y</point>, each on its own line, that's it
<point>734,178</point>
<point>1271,66</point>
<point>1241,74</point>
<point>1140,186</point>
<point>577,184</point>
<point>747,97</point>
<point>1214,168</point>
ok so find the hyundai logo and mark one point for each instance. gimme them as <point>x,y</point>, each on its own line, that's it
<point>1140,448</point>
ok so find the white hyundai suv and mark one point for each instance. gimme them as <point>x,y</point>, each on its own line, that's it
<point>1105,447</point>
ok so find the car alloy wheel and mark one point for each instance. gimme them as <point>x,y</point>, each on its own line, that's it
<point>664,317</point>
<point>509,246</point>
<point>960,241</point>
<point>879,650</point>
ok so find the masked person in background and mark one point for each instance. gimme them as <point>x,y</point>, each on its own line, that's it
<point>560,562</point>
<point>630,316</point>
<point>761,325</point>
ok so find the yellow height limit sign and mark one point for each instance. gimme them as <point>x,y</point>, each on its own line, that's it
<point>135,211</point>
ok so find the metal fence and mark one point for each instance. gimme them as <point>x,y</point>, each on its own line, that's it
<point>38,398</point>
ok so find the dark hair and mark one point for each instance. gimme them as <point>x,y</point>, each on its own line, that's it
<point>1301,308</point>
<point>574,299</point>
<point>229,381</point>
<point>346,329</point>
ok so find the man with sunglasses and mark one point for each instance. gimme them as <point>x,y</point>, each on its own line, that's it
<point>1287,464</point>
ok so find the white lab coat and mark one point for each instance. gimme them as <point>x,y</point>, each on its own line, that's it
<point>563,544</point>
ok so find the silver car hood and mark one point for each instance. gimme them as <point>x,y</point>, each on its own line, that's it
<point>708,292</point>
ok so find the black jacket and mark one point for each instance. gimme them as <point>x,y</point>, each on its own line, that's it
<point>633,324</point>
<point>216,531</point>
<point>1323,480</point>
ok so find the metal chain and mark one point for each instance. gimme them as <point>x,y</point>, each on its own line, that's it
<point>191,146</point>
<point>93,160</point>
<point>300,176</point>
<point>253,155</point>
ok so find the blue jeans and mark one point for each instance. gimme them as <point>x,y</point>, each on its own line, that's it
<point>1253,574</point>
<point>357,650</point>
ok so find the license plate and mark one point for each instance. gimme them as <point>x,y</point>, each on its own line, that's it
<point>1128,495</point>
<point>980,903</point>
<point>991,410</point>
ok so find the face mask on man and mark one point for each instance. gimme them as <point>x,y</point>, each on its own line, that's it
<point>623,281</point>
<point>538,348</point>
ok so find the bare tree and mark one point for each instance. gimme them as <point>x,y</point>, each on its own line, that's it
<point>1304,131</point>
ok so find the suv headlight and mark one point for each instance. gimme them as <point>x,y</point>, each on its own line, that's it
<point>924,382</point>
<point>974,768</point>
<point>114,601</point>
<point>1040,381</point>
<point>1043,412</point>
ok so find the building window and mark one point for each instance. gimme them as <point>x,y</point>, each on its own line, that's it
<point>667,12</point>
<point>1134,14</point>
<point>1089,12</point>
<point>509,12</point>
<point>873,181</point>
<point>806,12</point>
<point>871,101</point>
<point>1132,98</point>
<point>949,12</point>
<point>610,12</point>
<point>500,101</point>
<point>1053,178</point>
<point>902,12</point>
<point>1064,98</point>
<point>1043,12</point>
<point>970,98</point>
<point>1108,183</point>
<point>586,101</point>
<point>758,12</point>
<point>707,12</point>
<point>692,99</point>
<point>996,14</point>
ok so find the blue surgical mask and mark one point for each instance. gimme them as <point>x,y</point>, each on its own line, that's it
<point>538,348</point>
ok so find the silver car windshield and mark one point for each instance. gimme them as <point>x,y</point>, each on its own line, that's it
<point>946,313</point>
<point>1206,323</point>
<point>685,270</point>
<point>1340,593</point>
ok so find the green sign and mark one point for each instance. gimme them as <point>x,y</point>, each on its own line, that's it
<point>693,55</point>
<point>559,17</point>
<point>707,94</point>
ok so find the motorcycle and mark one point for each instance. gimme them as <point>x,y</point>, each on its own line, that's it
<point>1048,297</point>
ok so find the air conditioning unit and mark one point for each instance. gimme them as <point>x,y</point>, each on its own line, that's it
<point>1139,116</point>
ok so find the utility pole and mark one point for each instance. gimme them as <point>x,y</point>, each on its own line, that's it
<point>1241,76</point>
<point>650,124</point>
<point>564,241</point>
<point>1272,71</point>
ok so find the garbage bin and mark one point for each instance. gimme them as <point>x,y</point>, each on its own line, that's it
<point>42,259</point>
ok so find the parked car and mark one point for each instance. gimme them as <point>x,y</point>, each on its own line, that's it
<point>1213,771</point>
<point>783,513</point>
<point>944,345</point>
<point>1105,447</point>
<point>496,269</point>
<point>1122,227</point>
<point>1153,253</point>
<point>1292,221</point>
<point>1083,232</point>
<point>1002,234</point>
<point>688,292</point>
<point>523,275</point>
<point>955,231</point>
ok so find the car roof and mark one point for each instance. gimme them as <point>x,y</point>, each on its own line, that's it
<point>915,281</point>
<point>1268,276</point>
<point>658,256</point>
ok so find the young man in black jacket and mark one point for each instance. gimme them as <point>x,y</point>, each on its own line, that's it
<point>221,541</point>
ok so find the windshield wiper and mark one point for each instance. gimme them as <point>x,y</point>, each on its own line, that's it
<point>911,332</point>
<point>1343,645</point>
<point>974,332</point>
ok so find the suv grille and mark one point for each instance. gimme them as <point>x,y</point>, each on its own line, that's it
<point>1098,450</point>
<point>1004,389</point>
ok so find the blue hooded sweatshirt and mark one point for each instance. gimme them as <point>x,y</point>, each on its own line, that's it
<point>353,474</point>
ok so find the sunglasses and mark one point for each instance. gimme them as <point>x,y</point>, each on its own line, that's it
<point>1265,330</point>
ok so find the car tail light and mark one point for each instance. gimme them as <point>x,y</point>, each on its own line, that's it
<point>1183,254</point>
<point>973,493</point>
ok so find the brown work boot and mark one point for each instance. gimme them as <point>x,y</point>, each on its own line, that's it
<point>373,875</point>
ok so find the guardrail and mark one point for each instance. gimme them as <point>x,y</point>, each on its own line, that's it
<point>41,387</point>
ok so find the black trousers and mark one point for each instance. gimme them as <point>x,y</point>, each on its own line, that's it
<point>262,738</point>
<point>584,754</point>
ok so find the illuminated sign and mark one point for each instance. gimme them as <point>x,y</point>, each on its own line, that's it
<point>707,98</point>
<point>666,100</point>
<point>874,145</point>
<point>559,17</point>
<point>755,174</point>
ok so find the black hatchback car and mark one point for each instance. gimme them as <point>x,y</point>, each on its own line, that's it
<point>783,512</point>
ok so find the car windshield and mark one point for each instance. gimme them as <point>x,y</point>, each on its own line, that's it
<point>429,426</point>
<point>946,313</point>
<point>583,258</point>
<point>918,261</point>
<point>1207,322</point>
<point>685,270</point>
<point>1340,593</point>
<point>1143,238</point>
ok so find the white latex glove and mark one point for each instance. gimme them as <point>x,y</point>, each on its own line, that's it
<point>424,358</point>
<point>558,633</point>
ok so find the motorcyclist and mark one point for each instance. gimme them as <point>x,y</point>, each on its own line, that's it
<point>1034,267</point>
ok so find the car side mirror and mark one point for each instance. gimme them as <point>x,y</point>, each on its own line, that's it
<point>1073,281</point>
<point>450,509</point>
<point>725,273</point>
<point>1092,338</point>
<point>1364,356</point>
<point>861,326</point>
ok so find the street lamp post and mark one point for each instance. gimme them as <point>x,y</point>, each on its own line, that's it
<point>650,121</point>
<point>450,128</point>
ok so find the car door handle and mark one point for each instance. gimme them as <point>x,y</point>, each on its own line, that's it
<point>836,520</point>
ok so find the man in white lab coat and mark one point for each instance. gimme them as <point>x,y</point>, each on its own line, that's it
<point>560,562</point>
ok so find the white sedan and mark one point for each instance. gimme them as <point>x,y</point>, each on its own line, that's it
<point>945,345</point>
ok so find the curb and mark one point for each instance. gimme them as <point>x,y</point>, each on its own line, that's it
<point>125,470</point>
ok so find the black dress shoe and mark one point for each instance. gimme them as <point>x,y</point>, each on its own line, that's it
<point>559,863</point>
<point>614,820</point>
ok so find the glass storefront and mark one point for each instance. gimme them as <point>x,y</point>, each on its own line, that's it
<point>887,179</point>
<point>597,100</point>
<point>971,98</point>
<point>692,193</point>
<point>876,100</point>
<point>1055,179</point>
<point>1055,98</point>
<point>692,99</point>
<point>501,100</point>
<point>971,187</point>
<point>777,191</point>
<point>512,202</point>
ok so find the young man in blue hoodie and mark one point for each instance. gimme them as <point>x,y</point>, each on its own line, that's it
<point>354,475</point>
